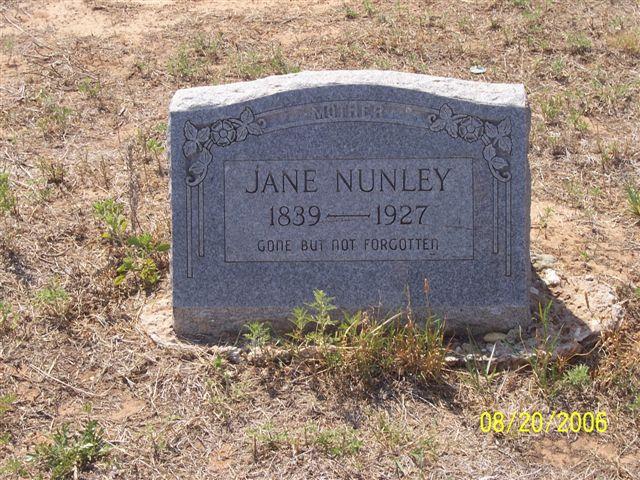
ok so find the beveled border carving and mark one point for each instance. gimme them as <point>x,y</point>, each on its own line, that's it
<point>495,135</point>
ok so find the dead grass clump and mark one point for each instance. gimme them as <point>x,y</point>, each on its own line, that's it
<point>626,41</point>
<point>618,369</point>
<point>360,349</point>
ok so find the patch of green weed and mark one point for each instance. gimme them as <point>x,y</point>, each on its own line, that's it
<point>67,453</point>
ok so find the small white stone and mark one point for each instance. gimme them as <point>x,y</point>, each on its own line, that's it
<point>550,277</point>
<point>543,260</point>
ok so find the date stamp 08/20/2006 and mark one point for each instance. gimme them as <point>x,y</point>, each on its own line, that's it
<point>538,422</point>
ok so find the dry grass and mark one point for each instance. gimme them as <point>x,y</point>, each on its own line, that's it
<point>82,119</point>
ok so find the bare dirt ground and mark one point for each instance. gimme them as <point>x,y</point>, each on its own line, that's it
<point>84,90</point>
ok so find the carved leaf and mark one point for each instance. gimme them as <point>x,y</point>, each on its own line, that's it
<point>504,127</point>
<point>197,168</point>
<point>491,130</point>
<point>505,144</point>
<point>489,152</point>
<point>189,148</point>
<point>202,135</point>
<point>247,116</point>
<point>254,128</point>
<point>452,129</point>
<point>241,133</point>
<point>437,125</point>
<point>500,164</point>
<point>445,112</point>
<point>190,131</point>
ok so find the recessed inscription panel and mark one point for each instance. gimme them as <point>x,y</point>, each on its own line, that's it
<point>348,210</point>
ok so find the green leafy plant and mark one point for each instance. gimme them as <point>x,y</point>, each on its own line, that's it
<point>67,454</point>
<point>322,306</point>
<point>633,197</point>
<point>53,300</point>
<point>545,217</point>
<point>279,64</point>
<point>90,88</point>
<point>578,43</point>
<point>154,146</point>
<point>7,199</point>
<point>524,4</point>
<point>552,108</point>
<point>251,64</point>
<point>609,153</point>
<point>269,438</point>
<point>184,65</point>
<point>577,377</point>
<point>258,334</point>
<point>338,442</point>
<point>15,467</point>
<point>55,119</point>
<point>6,403</point>
<point>558,66</point>
<point>111,213</point>
<point>52,294</point>
<point>160,128</point>
<point>364,349</point>
<point>192,59</point>
<point>577,119</point>
<point>350,13</point>
<point>369,9</point>
<point>8,44</point>
<point>207,47</point>
<point>319,316</point>
<point>140,260</point>
<point>543,362</point>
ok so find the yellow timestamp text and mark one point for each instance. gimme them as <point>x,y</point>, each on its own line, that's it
<point>537,422</point>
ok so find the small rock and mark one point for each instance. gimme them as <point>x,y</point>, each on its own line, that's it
<point>543,260</point>
<point>617,312</point>
<point>493,337</point>
<point>534,291</point>
<point>513,335</point>
<point>550,277</point>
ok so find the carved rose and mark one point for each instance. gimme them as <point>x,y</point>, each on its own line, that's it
<point>223,133</point>
<point>470,129</point>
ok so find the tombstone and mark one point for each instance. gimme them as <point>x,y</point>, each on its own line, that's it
<point>368,185</point>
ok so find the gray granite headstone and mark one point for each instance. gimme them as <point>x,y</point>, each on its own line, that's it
<point>360,183</point>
